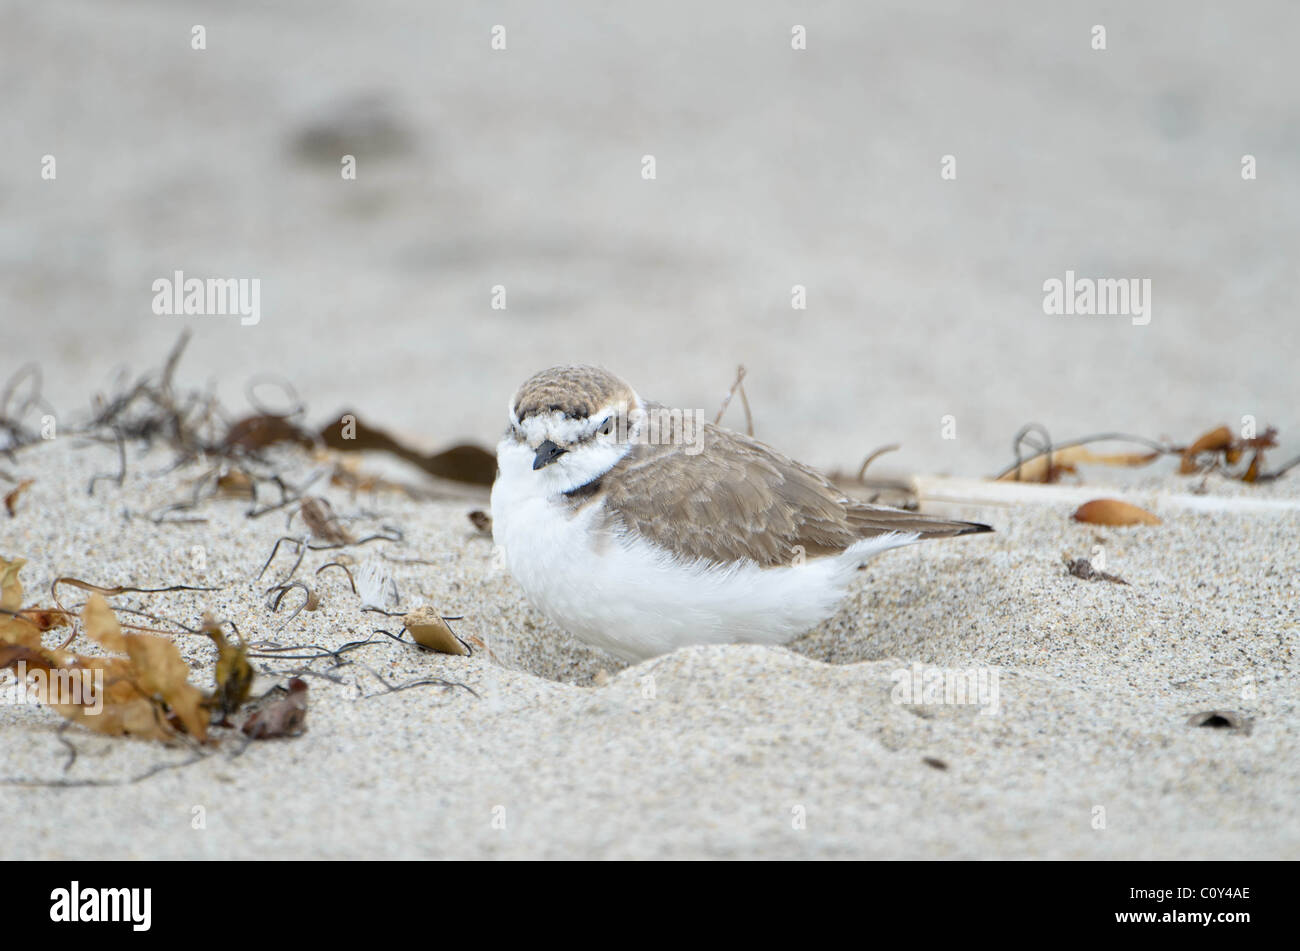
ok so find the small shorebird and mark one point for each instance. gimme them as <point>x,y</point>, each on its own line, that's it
<point>640,529</point>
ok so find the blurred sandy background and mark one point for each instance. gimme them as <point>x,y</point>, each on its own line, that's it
<point>522,168</point>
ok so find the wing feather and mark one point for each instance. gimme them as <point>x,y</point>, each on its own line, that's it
<point>738,498</point>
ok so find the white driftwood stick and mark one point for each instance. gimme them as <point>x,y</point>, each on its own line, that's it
<point>950,490</point>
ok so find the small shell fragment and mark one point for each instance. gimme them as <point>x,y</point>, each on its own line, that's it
<point>1113,512</point>
<point>1083,568</point>
<point>431,631</point>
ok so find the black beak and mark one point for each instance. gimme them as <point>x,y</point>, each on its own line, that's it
<point>547,453</point>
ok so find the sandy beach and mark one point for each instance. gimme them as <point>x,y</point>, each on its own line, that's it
<point>516,177</point>
<point>711,751</point>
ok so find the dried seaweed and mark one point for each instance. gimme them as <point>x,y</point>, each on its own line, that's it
<point>737,387</point>
<point>387,533</point>
<point>111,591</point>
<point>872,457</point>
<point>14,432</point>
<point>147,681</point>
<point>234,675</point>
<point>1049,461</point>
<point>466,463</point>
<point>423,682</point>
<point>1219,450</point>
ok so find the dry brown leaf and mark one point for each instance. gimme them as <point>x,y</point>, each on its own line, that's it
<point>14,629</point>
<point>146,694</point>
<point>161,672</point>
<point>11,499</point>
<point>46,619</point>
<point>60,671</point>
<point>102,626</point>
<point>19,630</point>
<point>1252,471</point>
<point>257,432</point>
<point>23,625</point>
<point>11,654</point>
<point>126,709</point>
<point>1048,467</point>
<point>156,670</point>
<point>1113,512</point>
<point>1265,440</point>
<point>348,474</point>
<point>1123,458</point>
<point>1216,440</point>
<point>431,631</point>
<point>11,589</point>
<point>234,673</point>
<point>235,483</point>
<point>117,708</point>
<point>320,518</point>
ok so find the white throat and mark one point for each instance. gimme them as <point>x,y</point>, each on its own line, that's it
<point>572,470</point>
<point>588,455</point>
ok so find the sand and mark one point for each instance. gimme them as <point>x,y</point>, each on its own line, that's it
<point>708,752</point>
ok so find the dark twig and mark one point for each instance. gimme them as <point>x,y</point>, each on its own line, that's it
<point>1280,471</point>
<point>395,688</point>
<point>120,478</point>
<point>862,470</point>
<point>309,602</point>
<point>339,564</point>
<point>263,379</point>
<point>77,783</point>
<point>738,385</point>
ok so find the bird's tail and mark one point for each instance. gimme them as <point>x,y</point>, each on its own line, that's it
<point>873,520</point>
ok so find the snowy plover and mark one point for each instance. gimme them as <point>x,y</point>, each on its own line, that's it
<point>698,536</point>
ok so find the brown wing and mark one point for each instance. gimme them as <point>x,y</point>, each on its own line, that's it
<point>738,498</point>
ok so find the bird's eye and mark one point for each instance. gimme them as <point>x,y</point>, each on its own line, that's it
<point>607,426</point>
